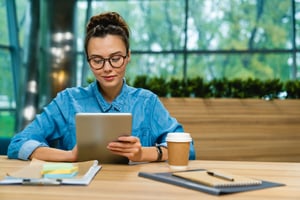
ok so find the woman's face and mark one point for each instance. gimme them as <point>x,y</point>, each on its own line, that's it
<point>110,46</point>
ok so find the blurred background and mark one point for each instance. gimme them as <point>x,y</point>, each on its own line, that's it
<point>41,45</point>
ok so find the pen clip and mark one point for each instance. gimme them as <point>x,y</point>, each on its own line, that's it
<point>219,175</point>
<point>41,181</point>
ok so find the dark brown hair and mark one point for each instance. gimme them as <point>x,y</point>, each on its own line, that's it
<point>104,24</point>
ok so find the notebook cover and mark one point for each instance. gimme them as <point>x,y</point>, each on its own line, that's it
<point>204,178</point>
<point>167,177</point>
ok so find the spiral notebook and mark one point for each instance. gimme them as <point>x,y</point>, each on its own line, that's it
<point>200,185</point>
<point>217,178</point>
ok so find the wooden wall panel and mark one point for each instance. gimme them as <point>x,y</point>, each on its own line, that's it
<point>240,129</point>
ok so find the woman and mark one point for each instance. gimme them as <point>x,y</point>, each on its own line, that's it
<point>52,137</point>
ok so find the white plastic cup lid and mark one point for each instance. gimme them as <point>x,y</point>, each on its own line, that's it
<point>178,137</point>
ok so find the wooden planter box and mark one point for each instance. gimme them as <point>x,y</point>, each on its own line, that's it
<point>240,129</point>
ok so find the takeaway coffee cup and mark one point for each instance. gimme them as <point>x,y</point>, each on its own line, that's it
<point>178,150</point>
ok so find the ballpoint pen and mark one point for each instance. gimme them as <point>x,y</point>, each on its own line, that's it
<point>219,175</point>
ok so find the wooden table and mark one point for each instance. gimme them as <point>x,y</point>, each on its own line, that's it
<point>122,182</point>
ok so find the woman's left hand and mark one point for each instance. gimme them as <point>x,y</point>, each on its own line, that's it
<point>128,146</point>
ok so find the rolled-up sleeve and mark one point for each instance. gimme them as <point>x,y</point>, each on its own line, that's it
<point>44,130</point>
<point>28,147</point>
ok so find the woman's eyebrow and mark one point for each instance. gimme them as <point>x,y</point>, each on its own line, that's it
<point>112,54</point>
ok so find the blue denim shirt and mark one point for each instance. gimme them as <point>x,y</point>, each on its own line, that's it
<point>55,126</point>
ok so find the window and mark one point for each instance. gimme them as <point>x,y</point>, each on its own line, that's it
<point>207,38</point>
<point>169,39</point>
<point>10,66</point>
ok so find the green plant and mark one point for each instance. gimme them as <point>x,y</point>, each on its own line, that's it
<point>272,88</point>
<point>158,86</point>
<point>219,88</point>
<point>293,89</point>
<point>178,88</point>
<point>237,88</point>
<point>141,82</point>
<point>196,87</point>
<point>253,88</point>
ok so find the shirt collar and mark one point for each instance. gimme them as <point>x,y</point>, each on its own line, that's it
<point>118,102</point>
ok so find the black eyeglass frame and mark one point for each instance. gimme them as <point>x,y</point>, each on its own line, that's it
<point>107,59</point>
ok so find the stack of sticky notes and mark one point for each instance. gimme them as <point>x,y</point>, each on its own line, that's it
<point>59,170</point>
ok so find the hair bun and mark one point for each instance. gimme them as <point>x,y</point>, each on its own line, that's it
<point>106,19</point>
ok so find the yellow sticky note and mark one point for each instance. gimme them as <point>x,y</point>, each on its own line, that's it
<point>59,168</point>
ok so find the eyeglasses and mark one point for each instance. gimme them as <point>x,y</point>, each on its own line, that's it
<point>97,62</point>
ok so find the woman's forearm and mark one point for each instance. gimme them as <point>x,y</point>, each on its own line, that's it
<point>52,154</point>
